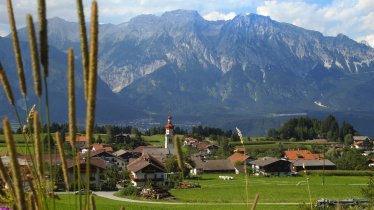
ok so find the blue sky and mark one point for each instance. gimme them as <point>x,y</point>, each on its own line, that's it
<point>331,17</point>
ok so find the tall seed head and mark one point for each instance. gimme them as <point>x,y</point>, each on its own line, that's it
<point>34,56</point>
<point>84,45</point>
<point>6,86</point>
<point>71,86</point>
<point>63,159</point>
<point>16,175</point>
<point>39,153</point>
<point>43,37</point>
<point>16,49</point>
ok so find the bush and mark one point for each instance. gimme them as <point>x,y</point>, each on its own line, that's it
<point>339,173</point>
<point>130,190</point>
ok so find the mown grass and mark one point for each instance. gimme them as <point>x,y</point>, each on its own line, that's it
<point>272,190</point>
<point>67,203</point>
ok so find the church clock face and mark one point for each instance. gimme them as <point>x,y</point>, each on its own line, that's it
<point>167,132</point>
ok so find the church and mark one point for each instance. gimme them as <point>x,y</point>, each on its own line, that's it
<point>151,165</point>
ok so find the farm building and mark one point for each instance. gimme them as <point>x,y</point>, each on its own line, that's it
<point>269,166</point>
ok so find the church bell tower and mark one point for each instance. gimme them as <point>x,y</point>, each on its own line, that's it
<point>169,144</point>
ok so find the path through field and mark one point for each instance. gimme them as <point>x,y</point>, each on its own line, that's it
<point>110,195</point>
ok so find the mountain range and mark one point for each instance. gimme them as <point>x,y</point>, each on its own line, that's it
<point>208,71</point>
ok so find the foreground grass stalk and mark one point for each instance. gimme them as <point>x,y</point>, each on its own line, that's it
<point>4,80</point>
<point>245,166</point>
<point>72,111</point>
<point>16,48</point>
<point>307,183</point>
<point>179,156</point>
<point>39,154</point>
<point>34,56</point>
<point>6,179</point>
<point>43,40</point>
<point>63,159</point>
<point>255,201</point>
<point>91,99</point>
<point>15,168</point>
<point>84,45</point>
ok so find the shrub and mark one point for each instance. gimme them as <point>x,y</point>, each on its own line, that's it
<point>130,190</point>
<point>339,173</point>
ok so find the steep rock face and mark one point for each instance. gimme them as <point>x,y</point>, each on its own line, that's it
<point>109,106</point>
<point>251,64</point>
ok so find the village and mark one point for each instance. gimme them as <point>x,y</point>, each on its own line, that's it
<point>151,168</point>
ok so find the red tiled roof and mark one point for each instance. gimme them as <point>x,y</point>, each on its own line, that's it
<point>239,149</point>
<point>302,155</point>
<point>190,139</point>
<point>143,162</point>
<point>141,148</point>
<point>96,146</point>
<point>238,157</point>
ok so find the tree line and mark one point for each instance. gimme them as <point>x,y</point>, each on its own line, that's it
<point>305,128</point>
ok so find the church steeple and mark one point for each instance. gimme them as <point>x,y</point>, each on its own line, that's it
<point>169,134</point>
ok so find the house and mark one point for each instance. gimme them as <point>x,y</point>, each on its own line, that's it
<point>239,158</point>
<point>126,155</point>
<point>97,166</point>
<point>214,166</point>
<point>362,143</point>
<point>80,141</point>
<point>205,146</point>
<point>95,147</point>
<point>269,166</point>
<point>239,150</point>
<point>189,140</point>
<point>298,165</point>
<point>139,150</point>
<point>146,169</point>
<point>301,155</point>
<point>110,158</point>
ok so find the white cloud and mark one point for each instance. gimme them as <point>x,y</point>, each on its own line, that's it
<point>219,16</point>
<point>351,17</point>
<point>3,33</point>
<point>368,38</point>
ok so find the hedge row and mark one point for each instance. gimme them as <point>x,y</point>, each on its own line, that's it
<point>339,173</point>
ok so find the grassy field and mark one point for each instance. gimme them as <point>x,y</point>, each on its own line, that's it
<point>272,190</point>
<point>67,202</point>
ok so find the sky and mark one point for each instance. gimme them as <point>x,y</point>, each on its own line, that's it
<point>353,18</point>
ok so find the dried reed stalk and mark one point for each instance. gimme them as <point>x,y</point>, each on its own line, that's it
<point>255,201</point>
<point>6,178</point>
<point>16,175</point>
<point>39,153</point>
<point>84,45</point>
<point>6,86</point>
<point>71,94</point>
<point>63,159</point>
<point>91,98</point>
<point>179,155</point>
<point>16,49</point>
<point>43,37</point>
<point>30,202</point>
<point>34,56</point>
<point>92,202</point>
<point>245,165</point>
<point>309,191</point>
<point>34,192</point>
